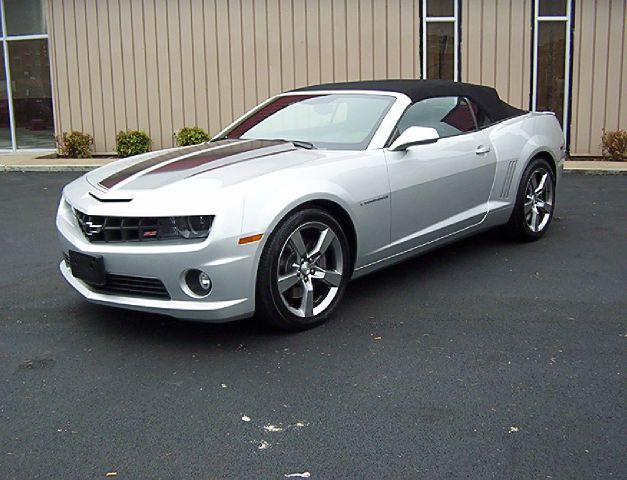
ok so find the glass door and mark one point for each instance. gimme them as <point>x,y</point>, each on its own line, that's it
<point>440,39</point>
<point>552,58</point>
<point>26,114</point>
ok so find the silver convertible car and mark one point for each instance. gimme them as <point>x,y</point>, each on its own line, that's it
<point>310,189</point>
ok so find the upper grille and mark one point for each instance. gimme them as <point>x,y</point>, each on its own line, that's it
<point>118,229</point>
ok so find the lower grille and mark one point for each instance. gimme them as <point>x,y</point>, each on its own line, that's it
<point>133,286</point>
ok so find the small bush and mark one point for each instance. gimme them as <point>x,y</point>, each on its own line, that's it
<point>614,145</point>
<point>132,142</point>
<point>191,136</point>
<point>74,145</point>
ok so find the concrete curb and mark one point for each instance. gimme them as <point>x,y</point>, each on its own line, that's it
<point>594,171</point>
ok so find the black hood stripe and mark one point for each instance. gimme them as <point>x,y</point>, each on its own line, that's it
<point>235,162</point>
<point>189,163</point>
<point>128,172</point>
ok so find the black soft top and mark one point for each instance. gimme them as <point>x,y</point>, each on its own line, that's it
<point>486,97</point>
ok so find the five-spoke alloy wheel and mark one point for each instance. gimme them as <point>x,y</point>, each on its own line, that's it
<point>535,202</point>
<point>538,205</point>
<point>303,270</point>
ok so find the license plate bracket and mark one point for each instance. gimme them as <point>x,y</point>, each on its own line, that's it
<point>89,268</point>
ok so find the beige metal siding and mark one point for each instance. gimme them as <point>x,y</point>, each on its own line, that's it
<point>496,47</point>
<point>599,73</point>
<point>159,65</point>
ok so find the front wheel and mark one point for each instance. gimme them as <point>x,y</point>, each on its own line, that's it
<point>535,201</point>
<point>303,271</point>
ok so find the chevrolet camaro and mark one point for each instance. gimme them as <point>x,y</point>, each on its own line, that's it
<point>311,188</point>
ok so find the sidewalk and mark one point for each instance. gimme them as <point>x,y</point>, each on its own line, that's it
<point>32,163</point>
<point>595,167</point>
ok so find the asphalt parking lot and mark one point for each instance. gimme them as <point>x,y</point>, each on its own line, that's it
<point>485,359</point>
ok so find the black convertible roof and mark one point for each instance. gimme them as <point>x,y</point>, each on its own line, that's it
<point>486,97</point>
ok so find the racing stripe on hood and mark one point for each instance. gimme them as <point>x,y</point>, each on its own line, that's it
<point>174,166</point>
<point>122,175</point>
<point>190,163</point>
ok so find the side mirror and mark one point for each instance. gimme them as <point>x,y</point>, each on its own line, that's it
<point>414,136</point>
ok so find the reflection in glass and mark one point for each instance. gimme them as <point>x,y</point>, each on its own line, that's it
<point>24,17</point>
<point>440,8</point>
<point>32,94</point>
<point>551,67</point>
<point>5,128</point>
<point>440,50</point>
<point>552,8</point>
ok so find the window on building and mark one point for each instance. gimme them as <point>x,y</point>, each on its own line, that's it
<point>26,119</point>
<point>551,65</point>
<point>440,39</point>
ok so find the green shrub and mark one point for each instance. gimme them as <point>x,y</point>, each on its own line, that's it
<point>614,145</point>
<point>191,136</point>
<point>74,145</point>
<point>132,142</point>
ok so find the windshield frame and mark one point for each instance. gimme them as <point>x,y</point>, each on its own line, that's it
<point>382,131</point>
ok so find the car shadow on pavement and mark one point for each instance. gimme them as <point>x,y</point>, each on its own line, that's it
<point>163,329</point>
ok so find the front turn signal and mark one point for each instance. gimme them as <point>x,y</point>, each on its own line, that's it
<point>250,239</point>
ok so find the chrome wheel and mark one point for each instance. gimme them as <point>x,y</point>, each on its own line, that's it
<point>538,205</point>
<point>310,269</point>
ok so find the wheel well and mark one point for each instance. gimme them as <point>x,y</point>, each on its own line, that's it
<point>342,216</point>
<point>549,159</point>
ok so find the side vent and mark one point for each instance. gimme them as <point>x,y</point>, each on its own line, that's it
<point>507,182</point>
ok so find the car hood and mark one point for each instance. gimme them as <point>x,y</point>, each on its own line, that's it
<point>208,161</point>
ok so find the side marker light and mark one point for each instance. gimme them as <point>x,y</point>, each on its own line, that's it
<point>250,239</point>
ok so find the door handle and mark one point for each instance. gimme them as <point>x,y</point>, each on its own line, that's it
<point>481,149</point>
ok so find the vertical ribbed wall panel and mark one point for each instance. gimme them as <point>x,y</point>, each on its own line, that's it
<point>496,47</point>
<point>599,73</point>
<point>159,65</point>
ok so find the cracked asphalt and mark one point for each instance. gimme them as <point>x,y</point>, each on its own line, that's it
<point>484,359</point>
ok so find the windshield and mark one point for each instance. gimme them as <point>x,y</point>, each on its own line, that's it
<point>333,121</point>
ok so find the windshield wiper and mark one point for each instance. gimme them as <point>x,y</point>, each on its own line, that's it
<point>297,143</point>
<point>223,137</point>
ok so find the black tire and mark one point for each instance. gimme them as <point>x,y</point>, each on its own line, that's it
<point>518,226</point>
<point>271,305</point>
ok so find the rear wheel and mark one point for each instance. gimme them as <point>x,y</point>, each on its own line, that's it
<point>535,202</point>
<point>303,271</point>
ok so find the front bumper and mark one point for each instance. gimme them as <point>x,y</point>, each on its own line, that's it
<point>230,266</point>
<point>216,311</point>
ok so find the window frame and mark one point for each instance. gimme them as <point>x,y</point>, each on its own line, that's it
<point>5,38</point>
<point>394,134</point>
<point>381,135</point>
<point>456,21</point>
<point>567,20</point>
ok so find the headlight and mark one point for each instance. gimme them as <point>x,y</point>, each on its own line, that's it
<point>196,226</point>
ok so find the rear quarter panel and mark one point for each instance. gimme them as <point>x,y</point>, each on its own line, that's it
<point>516,142</point>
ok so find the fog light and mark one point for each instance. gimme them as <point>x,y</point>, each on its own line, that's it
<point>204,280</point>
<point>198,282</point>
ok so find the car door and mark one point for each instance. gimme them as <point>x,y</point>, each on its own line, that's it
<point>440,188</point>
